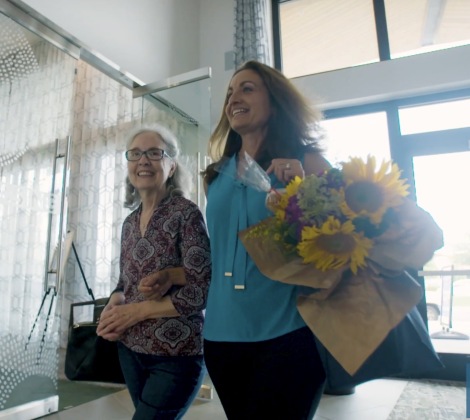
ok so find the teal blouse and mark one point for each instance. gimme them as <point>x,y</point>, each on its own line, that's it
<point>243,305</point>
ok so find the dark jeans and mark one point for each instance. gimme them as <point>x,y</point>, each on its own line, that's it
<point>282,378</point>
<point>161,388</point>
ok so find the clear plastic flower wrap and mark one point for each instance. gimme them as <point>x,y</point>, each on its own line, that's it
<point>253,175</point>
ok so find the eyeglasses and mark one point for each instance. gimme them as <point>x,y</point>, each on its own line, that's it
<point>152,154</point>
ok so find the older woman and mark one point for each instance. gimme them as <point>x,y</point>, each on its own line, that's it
<point>160,341</point>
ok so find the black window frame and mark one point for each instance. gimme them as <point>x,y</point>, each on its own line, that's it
<point>380,28</point>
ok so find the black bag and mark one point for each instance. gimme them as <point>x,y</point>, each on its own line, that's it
<point>90,357</point>
<point>407,351</point>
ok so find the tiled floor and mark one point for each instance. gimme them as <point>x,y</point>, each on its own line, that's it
<point>371,401</point>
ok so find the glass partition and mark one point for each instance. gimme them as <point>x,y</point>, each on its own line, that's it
<point>36,91</point>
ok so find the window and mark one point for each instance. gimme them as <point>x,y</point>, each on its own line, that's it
<point>418,26</point>
<point>316,36</point>
<point>323,35</point>
<point>435,117</point>
<point>356,136</point>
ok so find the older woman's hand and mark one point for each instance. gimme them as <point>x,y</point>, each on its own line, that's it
<point>115,320</point>
<point>286,169</point>
<point>156,285</point>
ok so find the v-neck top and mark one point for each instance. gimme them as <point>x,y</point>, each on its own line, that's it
<point>243,305</point>
<point>176,236</point>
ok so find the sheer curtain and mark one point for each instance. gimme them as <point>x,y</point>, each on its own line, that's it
<point>103,113</point>
<point>252,25</point>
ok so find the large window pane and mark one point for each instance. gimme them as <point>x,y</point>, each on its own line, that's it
<point>439,191</point>
<point>435,117</point>
<point>417,26</point>
<point>356,136</point>
<point>323,35</point>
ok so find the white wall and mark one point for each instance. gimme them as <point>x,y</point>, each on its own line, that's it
<point>150,39</point>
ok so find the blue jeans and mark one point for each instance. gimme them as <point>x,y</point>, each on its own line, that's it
<point>161,388</point>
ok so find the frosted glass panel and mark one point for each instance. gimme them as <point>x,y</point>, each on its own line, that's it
<point>185,109</point>
<point>36,91</point>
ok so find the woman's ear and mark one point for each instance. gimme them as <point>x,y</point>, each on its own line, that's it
<point>173,169</point>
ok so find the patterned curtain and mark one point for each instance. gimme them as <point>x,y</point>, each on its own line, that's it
<point>102,114</point>
<point>252,41</point>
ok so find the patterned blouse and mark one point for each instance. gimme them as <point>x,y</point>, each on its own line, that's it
<point>176,236</point>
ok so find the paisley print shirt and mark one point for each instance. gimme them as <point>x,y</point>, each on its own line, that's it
<point>176,236</point>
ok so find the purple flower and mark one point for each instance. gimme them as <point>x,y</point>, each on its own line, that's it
<point>293,211</point>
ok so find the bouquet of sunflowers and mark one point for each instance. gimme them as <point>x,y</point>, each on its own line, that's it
<point>347,234</point>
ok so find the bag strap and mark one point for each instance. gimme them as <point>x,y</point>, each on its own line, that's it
<point>73,305</point>
<point>90,292</point>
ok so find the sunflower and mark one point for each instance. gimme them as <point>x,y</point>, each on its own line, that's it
<point>293,186</point>
<point>369,192</point>
<point>334,245</point>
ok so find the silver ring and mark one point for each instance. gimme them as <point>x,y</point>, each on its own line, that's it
<point>287,165</point>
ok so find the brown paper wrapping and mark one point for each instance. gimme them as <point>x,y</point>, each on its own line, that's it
<point>352,314</point>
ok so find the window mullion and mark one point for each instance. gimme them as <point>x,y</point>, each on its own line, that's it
<point>381,29</point>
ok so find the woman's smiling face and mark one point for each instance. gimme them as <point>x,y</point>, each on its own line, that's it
<point>145,174</point>
<point>248,106</point>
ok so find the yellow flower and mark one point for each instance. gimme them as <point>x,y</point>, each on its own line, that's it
<point>280,214</point>
<point>334,245</point>
<point>369,192</point>
<point>293,186</point>
<point>280,202</point>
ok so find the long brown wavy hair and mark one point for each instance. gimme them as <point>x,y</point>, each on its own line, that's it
<point>293,128</point>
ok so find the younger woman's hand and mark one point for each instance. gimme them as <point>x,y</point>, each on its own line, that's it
<point>156,285</point>
<point>286,169</point>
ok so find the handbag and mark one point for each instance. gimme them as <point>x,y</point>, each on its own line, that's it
<point>406,352</point>
<point>89,357</point>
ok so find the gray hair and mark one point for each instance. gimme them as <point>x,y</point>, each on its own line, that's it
<point>179,184</point>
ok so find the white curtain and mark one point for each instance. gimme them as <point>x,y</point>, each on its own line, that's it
<point>252,25</point>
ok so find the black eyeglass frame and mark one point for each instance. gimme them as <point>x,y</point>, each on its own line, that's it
<point>146,154</point>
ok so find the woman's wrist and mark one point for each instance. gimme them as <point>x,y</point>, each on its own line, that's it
<point>153,309</point>
<point>117,297</point>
